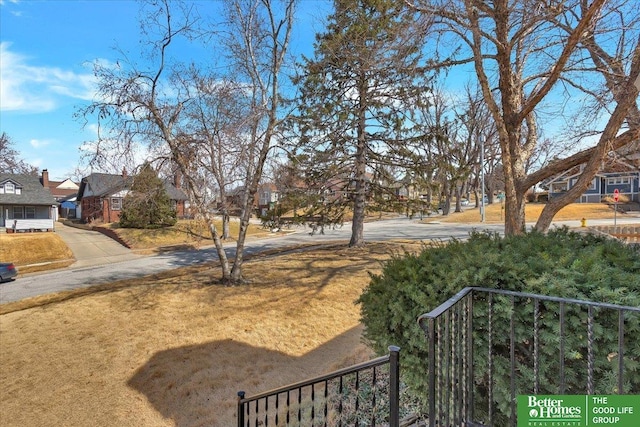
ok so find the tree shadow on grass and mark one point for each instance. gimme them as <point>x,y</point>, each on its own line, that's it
<point>197,385</point>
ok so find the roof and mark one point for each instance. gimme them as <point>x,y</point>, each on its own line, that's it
<point>63,189</point>
<point>33,193</point>
<point>67,184</point>
<point>105,184</point>
<point>173,192</point>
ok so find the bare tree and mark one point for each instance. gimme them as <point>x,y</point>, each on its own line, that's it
<point>477,133</point>
<point>216,128</point>
<point>156,108</point>
<point>443,145</point>
<point>613,45</point>
<point>521,58</point>
<point>258,43</point>
<point>10,161</point>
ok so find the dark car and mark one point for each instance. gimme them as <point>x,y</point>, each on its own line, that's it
<point>7,271</point>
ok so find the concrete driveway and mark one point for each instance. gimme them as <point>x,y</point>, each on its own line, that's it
<point>91,248</point>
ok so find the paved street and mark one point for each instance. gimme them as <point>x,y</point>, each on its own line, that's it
<point>104,263</point>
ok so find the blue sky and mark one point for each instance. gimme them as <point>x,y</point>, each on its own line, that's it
<point>47,48</point>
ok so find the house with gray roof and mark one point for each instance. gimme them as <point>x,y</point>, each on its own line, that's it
<point>101,196</point>
<point>619,171</point>
<point>25,200</point>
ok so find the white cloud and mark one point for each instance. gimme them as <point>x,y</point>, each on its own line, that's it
<point>39,143</point>
<point>28,88</point>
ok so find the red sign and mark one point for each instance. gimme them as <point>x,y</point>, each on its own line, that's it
<point>616,194</point>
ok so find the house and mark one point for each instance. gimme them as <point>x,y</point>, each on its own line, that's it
<point>25,203</point>
<point>406,189</point>
<point>60,190</point>
<point>620,175</point>
<point>65,193</point>
<point>101,195</point>
<point>267,196</point>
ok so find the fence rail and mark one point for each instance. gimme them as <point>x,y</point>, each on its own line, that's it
<point>366,394</point>
<point>32,224</point>
<point>486,346</point>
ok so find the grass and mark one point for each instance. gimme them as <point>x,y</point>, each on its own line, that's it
<point>495,213</point>
<point>169,350</point>
<point>172,350</point>
<point>190,233</point>
<point>35,248</point>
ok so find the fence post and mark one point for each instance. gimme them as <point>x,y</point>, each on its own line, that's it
<point>394,386</point>
<point>240,409</point>
<point>432,371</point>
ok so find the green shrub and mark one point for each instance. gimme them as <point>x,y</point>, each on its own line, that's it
<point>147,204</point>
<point>560,263</point>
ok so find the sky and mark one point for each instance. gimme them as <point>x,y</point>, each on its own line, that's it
<point>47,48</point>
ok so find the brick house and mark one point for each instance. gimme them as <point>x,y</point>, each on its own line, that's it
<point>101,196</point>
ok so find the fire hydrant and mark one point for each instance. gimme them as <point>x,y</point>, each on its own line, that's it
<point>583,222</point>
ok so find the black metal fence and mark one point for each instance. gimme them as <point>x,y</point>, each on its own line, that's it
<point>366,394</point>
<point>486,346</point>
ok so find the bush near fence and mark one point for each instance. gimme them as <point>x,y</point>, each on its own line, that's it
<point>561,263</point>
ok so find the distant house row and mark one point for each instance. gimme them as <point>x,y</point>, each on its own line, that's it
<point>28,201</point>
<point>35,202</point>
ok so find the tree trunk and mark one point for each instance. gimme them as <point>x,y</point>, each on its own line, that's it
<point>458,192</point>
<point>222,255</point>
<point>514,205</point>
<point>236,272</point>
<point>359,199</point>
<point>225,225</point>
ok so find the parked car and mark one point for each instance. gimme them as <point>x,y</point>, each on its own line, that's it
<point>7,271</point>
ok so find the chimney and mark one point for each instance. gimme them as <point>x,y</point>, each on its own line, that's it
<point>45,178</point>
<point>124,172</point>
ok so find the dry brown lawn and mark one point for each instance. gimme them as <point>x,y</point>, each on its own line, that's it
<point>495,213</point>
<point>34,248</point>
<point>173,350</point>
<point>192,233</point>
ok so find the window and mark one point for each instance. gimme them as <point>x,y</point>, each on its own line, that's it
<point>592,185</point>
<point>618,180</point>
<point>30,212</point>
<point>18,212</point>
<point>116,204</point>
<point>9,188</point>
<point>558,187</point>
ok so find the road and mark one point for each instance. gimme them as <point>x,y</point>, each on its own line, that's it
<point>76,277</point>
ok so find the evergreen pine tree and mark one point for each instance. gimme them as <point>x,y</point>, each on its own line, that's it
<point>147,205</point>
<point>355,94</point>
